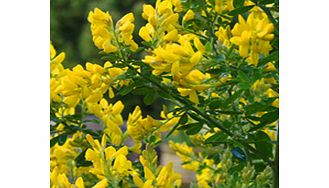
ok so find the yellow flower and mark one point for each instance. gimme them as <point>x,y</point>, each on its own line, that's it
<point>161,19</point>
<point>56,66</point>
<point>188,16</point>
<point>224,35</point>
<point>79,183</point>
<point>223,5</point>
<point>139,128</point>
<point>186,154</point>
<point>125,29</point>
<point>109,38</point>
<point>253,37</point>
<point>122,165</point>
<point>101,184</point>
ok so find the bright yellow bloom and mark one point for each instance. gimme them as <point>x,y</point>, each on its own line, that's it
<point>223,5</point>
<point>186,154</point>
<point>139,128</point>
<point>79,183</point>
<point>107,161</point>
<point>224,35</point>
<point>109,38</point>
<point>253,37</point>
<point>189,15</point>
<point>101,184</point>
<point>161,19</point>
<point>122,165</point>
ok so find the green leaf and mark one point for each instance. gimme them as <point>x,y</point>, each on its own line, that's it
<point>272,57</point>
<point>164,95</point>
<point>238,3</point>
<point>214,71</point>
<point>184,127</point>
<point>80,160</point>
<point>150,97</point>
<point>256,107</point>
<point>62,139</point>
<point>194,129</point>
<point>110,57</point>
<point>266,2</point>
<point>240,10</point>
<point>263,144</point>
<point>270,117</point>
<point>233,97</point>
<point>53,141</point>
<point>266,119</point>
<point>254,118</point>
<point>214,104</point>
<point>91,121</point>
<point>209,46</point>
<point>126,90</point>
<point>152,139</point>
<point>195,117</point>
<point>183,119</point>
<point>216,138</point>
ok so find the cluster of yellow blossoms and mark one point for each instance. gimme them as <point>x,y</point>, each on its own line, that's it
<point>110,166</point>
<point>252,36</point>
<point>109,38</point>
<point>173,53</point>
<point>183,60</point>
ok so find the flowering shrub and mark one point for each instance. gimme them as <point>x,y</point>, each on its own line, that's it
<point>215,62</point>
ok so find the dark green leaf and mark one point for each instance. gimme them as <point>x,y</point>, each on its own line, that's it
<point>214,71</point>
<point>238,3</point>
<point>214,104</point>
<point>208,46</point>
<point>193,129</point>
<point>272,57</point>
<point>195,117</point>
<point>266,119</point>
<point>263,144</point>
<point>152,138</point>
<point>270,117</point>
<point>240,10</point>
<point>53,141</point>
<point>126,90</point>
<point>255,107</point>
<point>141,91</point>
<point>150,97</point>
<point>62,139</point>
<point>164,95</point>
<point>266,2</point>
<point>184,127</point>
<point>216,138</point>
<point>183,119</point>
<point>81,160</point>
<point>119,65</point>
<point>91,121</point>
<point>233,97</point>
<point>111,57</point>
<point>254,118</point>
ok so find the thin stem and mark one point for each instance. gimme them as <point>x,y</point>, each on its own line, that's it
<point>275,167</point>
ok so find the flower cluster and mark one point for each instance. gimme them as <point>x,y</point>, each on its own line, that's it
<point>110,38</point>
<point>215,66</point>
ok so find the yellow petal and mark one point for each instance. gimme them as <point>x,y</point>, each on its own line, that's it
<point>188,16</point>
<point>101,184</point>
<point>79,183</point>
<point>117,108</point>
<point>148,174</point>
